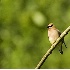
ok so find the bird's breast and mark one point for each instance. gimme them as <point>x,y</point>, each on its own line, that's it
<point>53,35</point>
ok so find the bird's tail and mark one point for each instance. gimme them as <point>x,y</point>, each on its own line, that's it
<point>61,52</point>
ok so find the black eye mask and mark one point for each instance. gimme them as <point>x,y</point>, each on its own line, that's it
<point>49,26</point>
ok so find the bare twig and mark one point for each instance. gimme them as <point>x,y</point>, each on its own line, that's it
<point>52,48</point>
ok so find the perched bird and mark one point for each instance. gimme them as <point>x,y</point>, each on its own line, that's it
<point>53,34</point>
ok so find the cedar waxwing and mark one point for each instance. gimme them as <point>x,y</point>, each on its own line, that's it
<point>53,34</point>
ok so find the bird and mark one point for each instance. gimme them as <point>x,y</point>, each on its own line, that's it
<point>53,34</point>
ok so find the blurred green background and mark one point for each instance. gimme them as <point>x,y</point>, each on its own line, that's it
<point>23,33</point>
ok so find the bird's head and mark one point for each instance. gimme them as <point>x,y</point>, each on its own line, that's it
<point>50,25</point>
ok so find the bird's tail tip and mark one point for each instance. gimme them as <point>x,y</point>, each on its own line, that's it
<point>61,52</point>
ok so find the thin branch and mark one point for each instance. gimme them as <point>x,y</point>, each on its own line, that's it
<point>52,48</point>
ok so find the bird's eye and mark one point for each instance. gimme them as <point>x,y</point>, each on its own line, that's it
<point>51,25</point>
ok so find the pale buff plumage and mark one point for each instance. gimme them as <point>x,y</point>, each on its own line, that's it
<point>53,34</point>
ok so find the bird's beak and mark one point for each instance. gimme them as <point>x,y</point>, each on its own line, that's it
<point>47,26</point>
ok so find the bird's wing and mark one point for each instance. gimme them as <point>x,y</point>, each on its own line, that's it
<point>59,32</point>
